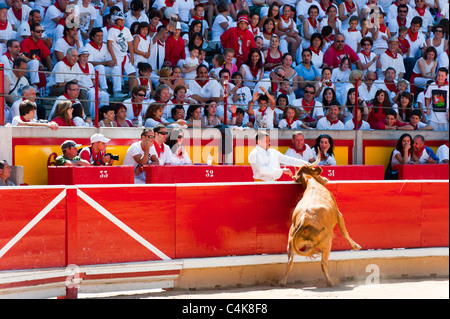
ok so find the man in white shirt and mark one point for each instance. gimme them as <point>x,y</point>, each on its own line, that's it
<point>299,149</point>
<point>136,13</point>
<point>331,121</point>
<point>161,149</point>
<point>18,7</point>
<point>443,153</point>
<point>140,153</point>
<point>63,72</point>
<point>52,16</point>
<point>203,88</point>
<point>391,58</point>
<point>266,162</point>
<point>15,80</point>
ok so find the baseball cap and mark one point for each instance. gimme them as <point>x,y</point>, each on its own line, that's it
<point>69,143</point>
<point>242,18</point>
<point>82,51</point>
<point>3,6</point>
<point>97,137</point>
<point>393,39</point>
<point>118,15</point>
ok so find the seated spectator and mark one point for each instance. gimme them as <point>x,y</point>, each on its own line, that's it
<point>252,70</point>
<point>121,116</point>
<point>331,120</point>
<point>437,101</point>
<point>106,116</point>
<point>194,116</point>
<point>15,81</point>
<point>424,70</point>
<point>341,75</point>
<point>391,58</point>
<point>310,110</point>
<point>338,50</point>
<point>52,15</point>
<point>391,123</point>
<point>362,125</point>
<point>135,106</point>
<point>442,153</point>
<point>70,156</point>
<point>240,94</point>
<point>352,35</point>
<point>211,119</point>
<point>325,83</point>
<point>380,106</point>
<point>63,114</point>
<point>421,10</point>
<point>346,113</point>
<point>140,154</point>
<point>96,152</point>
<point>290,119</point>
<point>401,155</point>
<point>287,30</point>
<point>271,84</point>
<point>12,52</point>
<point>203,88</point>
<point>64,72</point>
<point>162,150</point>
<point>78,116</point>
<point>71,93</point>
<point>402,20</point>
<point>179,98</point>
<point>417,44</point>
<point>176,145</point>
<point>423,154</point>
<point>317,43</point>
<point>228,56</point>
<point>6,28</point>
<point>5,169</point>
<point>177,113</point>
<point>136,13</point>
<point>369,60</point>
<point>69,40</point>
<point>403,42</point>
<point>404,107</point>
<point>241,120</point>
<point>153,115</point>
<point>27,93</point>
<point>325,145</point>
<point>367,90</point>
<point>27,114</point>
<point>299,149</point>
<point>306,72</point>
<point>175,47</point>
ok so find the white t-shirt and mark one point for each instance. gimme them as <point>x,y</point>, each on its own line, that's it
<point>217,30</point>
<point>120,39</point>
<point>439,104</point>
<point>86,15</point>
<point>133,150</point>
<point>349,125</point>
<point>306,155</point>
<point>324,124</point>
<point>442,153</point>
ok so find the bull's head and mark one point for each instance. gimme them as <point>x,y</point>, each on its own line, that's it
<point>310,171</point>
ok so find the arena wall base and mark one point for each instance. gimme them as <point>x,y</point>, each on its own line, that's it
<point>366,266</point>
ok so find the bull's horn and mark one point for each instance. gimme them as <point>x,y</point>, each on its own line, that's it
<point>317,161</point>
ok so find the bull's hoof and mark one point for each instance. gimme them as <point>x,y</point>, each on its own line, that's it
<point>330,284</point>
<point>356,247</point>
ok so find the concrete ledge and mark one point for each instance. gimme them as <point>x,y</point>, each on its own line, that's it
<point>343,265</point>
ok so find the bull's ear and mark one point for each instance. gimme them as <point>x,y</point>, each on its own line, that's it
<point>318,170</point>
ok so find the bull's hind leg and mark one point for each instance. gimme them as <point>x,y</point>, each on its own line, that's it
<point>324,263</point>
<point>344,232</point>
<point>289,265</point>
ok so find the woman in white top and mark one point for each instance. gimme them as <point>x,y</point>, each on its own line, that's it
<point>424,69</point>
<point>438,41</point>
<point>346,10</point>
<point>368,58</point>
<point>332,20</point>
<point>252,70</point>
<point>107,116</point>
<point>310,26</point>
<point>324,145</point>
<point>222,21</point>
<point>211,119</point>
<point>402,152</point>
<point>240,94</point>
<point>341,75</point>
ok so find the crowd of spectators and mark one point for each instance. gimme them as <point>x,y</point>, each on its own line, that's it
<point>288,64</point>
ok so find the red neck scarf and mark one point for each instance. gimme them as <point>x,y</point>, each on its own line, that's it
<point>62,21</point>
<point>160,43</point>
<point>391,86</point>
<point>23,119</point>
<point>289,124</point>
<point>66,62</point>
<point>401,23</point>
<point>198,18</point>
<point>415,127</point>
<point>421,11</point>
<point>324,156</point>
<point>353,30</point>
<point>68,98</point>
<point>58,6</point>
<point>71,44</point>
<point>317,52</point>
<point>118,28</point>
<point>145,38</point>
<point>137,108</point>
<point>17,14</point>
<point>254,70</point>
<point>263,112</point>
<point>383,28</point>
<point>169,3</point>
<point>3,25</point>
<point>158,149</point>
<point>392,55</point>
<point>201,83</point>
<point>349,6</point>
<point>8,55</point>
<point>286,19</point>
<point>298,151</point>
<point>366,54</point>
<point>420,152</point>
<point>307,106</point>
<point>254,29</point>
<point>95,45</point>
<point>445,83</point>
<point>312,22</point>
<point>143,82</point>
<point>85,69</point>
<point>332,122</point>
<point>412,36</point>
<point>324,6</point>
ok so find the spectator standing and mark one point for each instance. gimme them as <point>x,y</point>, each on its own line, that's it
<point>437,101</point>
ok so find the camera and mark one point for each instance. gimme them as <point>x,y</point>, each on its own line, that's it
<point>113,157</point>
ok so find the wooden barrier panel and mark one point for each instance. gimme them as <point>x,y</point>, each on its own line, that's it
<point>423,171</point>
<point>90,225</point>
<point>69,175</point>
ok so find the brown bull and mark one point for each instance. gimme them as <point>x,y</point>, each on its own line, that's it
<point>313,220</point>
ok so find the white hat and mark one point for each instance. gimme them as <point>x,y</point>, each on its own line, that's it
<point>99,138</point>
<point>82,50</point>
<point>178,25</point>
<point>117,15</point>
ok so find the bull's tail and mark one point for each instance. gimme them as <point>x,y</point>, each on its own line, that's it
<point>302,239</point>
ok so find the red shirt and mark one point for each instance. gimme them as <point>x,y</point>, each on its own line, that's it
<point>36,50</point>
<point>175,50</point>
<point>381,125</point>
<point>230,39</point>
<point>61,122</point>
<point>333,57</point>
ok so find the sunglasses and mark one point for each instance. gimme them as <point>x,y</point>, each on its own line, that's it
<point>150,136</point>
<point>180,136</point>
<point>339,41</point>
<point>365,44</point>
<point>403,11</point>
<point>309,92</point>
<point>281,76</point>
<point>141,94</point>
<point>38,31</point>
<point>162,133</point>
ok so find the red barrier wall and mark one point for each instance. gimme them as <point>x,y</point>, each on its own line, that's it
<point>135,223</point>
<point>423,171</point>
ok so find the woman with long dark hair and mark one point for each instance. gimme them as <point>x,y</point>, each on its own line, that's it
<point>325,146</point>
<point>380,105</point>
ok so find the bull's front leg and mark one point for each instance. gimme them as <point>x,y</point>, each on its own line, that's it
<point>290,262</point>
<point>324,263</point>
